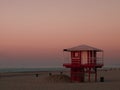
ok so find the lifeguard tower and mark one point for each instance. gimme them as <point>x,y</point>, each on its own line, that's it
<point>84,60</point>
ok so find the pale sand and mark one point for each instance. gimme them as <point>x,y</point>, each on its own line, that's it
<point>28,81</point>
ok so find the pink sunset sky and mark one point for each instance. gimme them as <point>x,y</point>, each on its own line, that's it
<point>33,33</point>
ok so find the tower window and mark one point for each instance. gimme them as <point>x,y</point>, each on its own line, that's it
<point>75,54</point>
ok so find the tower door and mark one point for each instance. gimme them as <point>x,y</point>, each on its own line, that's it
<point>84,57</point>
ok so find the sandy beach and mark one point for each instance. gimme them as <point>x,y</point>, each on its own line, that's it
<point>29,81</point>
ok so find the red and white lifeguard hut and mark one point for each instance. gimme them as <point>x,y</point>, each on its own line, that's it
<point>84,60</point>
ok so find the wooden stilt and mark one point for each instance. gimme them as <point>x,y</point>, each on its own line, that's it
<point>95,74</point>
<point>89,75</point>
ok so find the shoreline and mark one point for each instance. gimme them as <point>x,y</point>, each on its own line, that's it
<point>29,73</point>
<point>66,71</point>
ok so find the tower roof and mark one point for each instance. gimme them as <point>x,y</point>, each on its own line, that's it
<point>83,48</point>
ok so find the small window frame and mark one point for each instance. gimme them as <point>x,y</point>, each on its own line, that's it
<point>75,54</point>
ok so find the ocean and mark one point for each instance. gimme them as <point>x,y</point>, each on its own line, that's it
<point>46,69</point>
<point>30,69</point>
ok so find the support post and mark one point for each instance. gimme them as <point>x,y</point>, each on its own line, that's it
<point>95,74</point>
<point>89,74</point>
